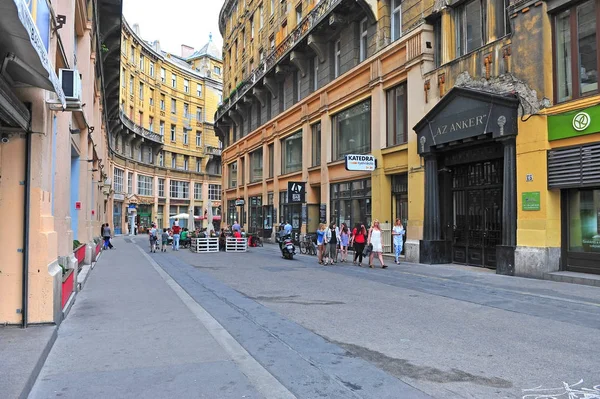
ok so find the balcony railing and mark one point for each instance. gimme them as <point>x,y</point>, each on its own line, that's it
<point>131,125</point>
<point>210,150</point>
<point>317,14</point>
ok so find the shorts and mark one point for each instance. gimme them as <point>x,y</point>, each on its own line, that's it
<point>165,242</point>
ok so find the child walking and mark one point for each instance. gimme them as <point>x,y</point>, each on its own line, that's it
<point>165,240</point>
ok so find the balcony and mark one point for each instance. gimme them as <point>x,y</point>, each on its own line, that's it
<point>145,133</point>
<point>315,17</point>
<point>210,150</point>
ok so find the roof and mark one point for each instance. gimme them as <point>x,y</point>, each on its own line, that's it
<point>210,49</point>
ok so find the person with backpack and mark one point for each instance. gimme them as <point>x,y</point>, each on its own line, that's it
<point>358,240</point>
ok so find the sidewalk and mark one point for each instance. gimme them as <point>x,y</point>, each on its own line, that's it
<point>130,335</point>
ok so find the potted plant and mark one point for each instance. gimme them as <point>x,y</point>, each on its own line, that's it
<point>79,251</point>
<point>67,284</point>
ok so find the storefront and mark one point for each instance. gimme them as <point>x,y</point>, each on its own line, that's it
<point>269,216</point>
<point>232,212</point>
<point>468,144</point>
<point>351,203</point>
<point>575,171</point>
<point>255,213</point>
<point>118,216</point>
<point>290,213</point>
<point>144,217</point>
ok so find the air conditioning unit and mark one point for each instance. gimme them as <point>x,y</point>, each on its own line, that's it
<point>70,81</point>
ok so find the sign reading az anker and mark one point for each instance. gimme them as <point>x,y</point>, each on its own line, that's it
<point>360,163</point>
<point>296,192</point>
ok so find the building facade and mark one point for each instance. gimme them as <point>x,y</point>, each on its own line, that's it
<point>53,155</point>
<point>165,154</point>
<point>480,114</point>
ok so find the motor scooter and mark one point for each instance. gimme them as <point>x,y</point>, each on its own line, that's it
<point>286,245</point>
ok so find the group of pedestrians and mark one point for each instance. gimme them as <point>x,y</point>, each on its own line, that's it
<point>175,234</point>
<point>334,240</point>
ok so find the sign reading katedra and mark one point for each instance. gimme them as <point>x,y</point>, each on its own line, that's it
<point>360,163</point>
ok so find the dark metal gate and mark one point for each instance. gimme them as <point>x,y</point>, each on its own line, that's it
<point>477,212</point>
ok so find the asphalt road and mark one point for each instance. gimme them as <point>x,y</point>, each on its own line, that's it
<point>448,331</point>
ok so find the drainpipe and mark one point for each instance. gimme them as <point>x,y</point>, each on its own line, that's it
<point>27,202</point>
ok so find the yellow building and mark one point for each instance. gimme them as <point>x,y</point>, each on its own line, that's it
<point>166,157</point>
<point>469,109</point>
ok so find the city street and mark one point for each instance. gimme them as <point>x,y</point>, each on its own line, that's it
<point>255,325</point>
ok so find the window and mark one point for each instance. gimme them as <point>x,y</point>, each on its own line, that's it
<point>337,58</point>
<point>118,180</point>
<point>186,162</point>
<point>162,128</point>
<point>397,19</point>
<point>141,93</point>
<point>131,84</point>
<point>151,124</point>
<point>214,192</point>
<point>163,75</point>
<point>291,153</point>
<point>173,106</point>
<point>396,115</point>
<point>162,102</point>
<point>198,165</point>
<point>186,85</point>
<point>123,78</point>
<point>199,114</point>
<point>151,97</point>
<point>197,191</point>
<point>271,148</point>
<point>173,134</point>
<point>151,68</point>
<point>242,171</point>
<point>298,14</point>
<point>233,174</point>
<point>576,43</point>
<point>315,74</point>
<point>316,144</point>
<point>261,55</point>
<point>364,43</point>
<point>132,54</point>
<point>272,8</point>
<point>150,155</point>
<point>502,18</point>
<point>186,110</point>
<point>261,15</point>
<point>272,42</point>
<point>129,182</point>
<point>437,39</point>
<point>161,187</point>
<point>256,165</point>
<point>252,27</point>
<point>161,158</point>
<point>173,80</point>
<point>244,38</point>
<point>217,70</point>
<point>173,161</point>
<point>141,114</point>
<point>351,131</point>
<point>469,27</point>
<point>142,63</point>
<point>186,140</point>
<point>198,139</point>
<point>145,185</point>
<point>179,189</point>
<point>199,90</point>
<point>297,83</point>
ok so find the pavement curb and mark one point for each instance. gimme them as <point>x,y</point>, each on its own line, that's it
<point>39,364</point>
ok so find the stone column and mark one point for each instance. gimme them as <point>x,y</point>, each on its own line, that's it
<point>432,248</point>
<point>505,253</point>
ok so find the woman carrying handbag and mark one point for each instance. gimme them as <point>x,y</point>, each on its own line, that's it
<point>358,242</point>
<point>375,237</point>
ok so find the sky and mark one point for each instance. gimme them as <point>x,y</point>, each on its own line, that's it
<point>175,22</point>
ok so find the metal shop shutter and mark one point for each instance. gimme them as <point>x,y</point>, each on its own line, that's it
<point>574,167</point>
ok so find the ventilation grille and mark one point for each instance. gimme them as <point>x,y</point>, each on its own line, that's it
<point>574,167</point>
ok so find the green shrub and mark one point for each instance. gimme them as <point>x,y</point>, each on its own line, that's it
<point>76,244</point>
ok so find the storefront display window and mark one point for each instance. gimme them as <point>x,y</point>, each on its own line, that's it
<point>145,217</point>
<point>351,202</point>
<point>584,221</point>
<point>232,214</point>
<point>256,216</point>
<point>290,213</point>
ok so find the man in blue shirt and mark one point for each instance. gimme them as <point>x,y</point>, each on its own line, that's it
<point>287,228</point>
<point>236,226</point>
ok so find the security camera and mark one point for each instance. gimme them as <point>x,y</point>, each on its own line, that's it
<point>5,139</point>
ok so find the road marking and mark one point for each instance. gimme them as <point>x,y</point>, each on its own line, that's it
<point>264,381</point>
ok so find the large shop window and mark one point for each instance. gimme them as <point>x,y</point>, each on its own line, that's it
<point>396,115</point>
<point>256,214</point>
<point>316,144</point>
<point>290,213</point>
<point>583,252</point>
<point>232,174</point>
<point>576,53</point>
<point>469,27</point>
<point>256,166</point>
<point>291,153</point>
<point>145,185</point>
<point>351,202</point>
<point>179,189</point>
<point>351,132</point>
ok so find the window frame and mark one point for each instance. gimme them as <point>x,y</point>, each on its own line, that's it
<point>161,188</point>
<point>316,137</point>
<point>254,156</point>
<point>285,169</point>
<point>179,189</point>
<point>461,27</point>
<point>395,8</point>
<point>335,150</point>
<point>363,40</point>
<point>198,138</point>
<point>337,58</point>
<point>394,134</point>
<point>118,179</point>
<point>173,132</point>
<point>198,191</point>
<point>145,185</point>
<point>232,168</point>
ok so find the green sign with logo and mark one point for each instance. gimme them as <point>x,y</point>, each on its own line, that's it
<point>531,201</point>
<point>574,123</point>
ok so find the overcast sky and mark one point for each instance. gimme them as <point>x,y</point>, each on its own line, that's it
<point>175,22</point>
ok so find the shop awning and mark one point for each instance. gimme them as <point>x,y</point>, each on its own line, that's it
<point>27,60</point>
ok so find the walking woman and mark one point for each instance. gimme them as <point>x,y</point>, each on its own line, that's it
<point>375,240</point>
<point>321,242</point>
<point>398,234</point>
<point>358,241</point>
<point>344,239</point>
<point>333,243</point>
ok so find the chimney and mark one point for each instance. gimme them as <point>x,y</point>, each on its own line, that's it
<point>156,46</point>
<point>136,29</point>
<point>186,51</point>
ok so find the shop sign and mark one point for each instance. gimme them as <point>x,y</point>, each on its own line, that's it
<point>323,213</point>
<point>296,192</point>
<point>531,201</point>
<point>119,197</point>
<point>360,163</point>
<point>78,205</point>
<point>239,202</point>
<point>131,206</point>
<point>575,123</point>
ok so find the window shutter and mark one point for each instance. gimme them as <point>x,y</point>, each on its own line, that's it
<point>574,167</point>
